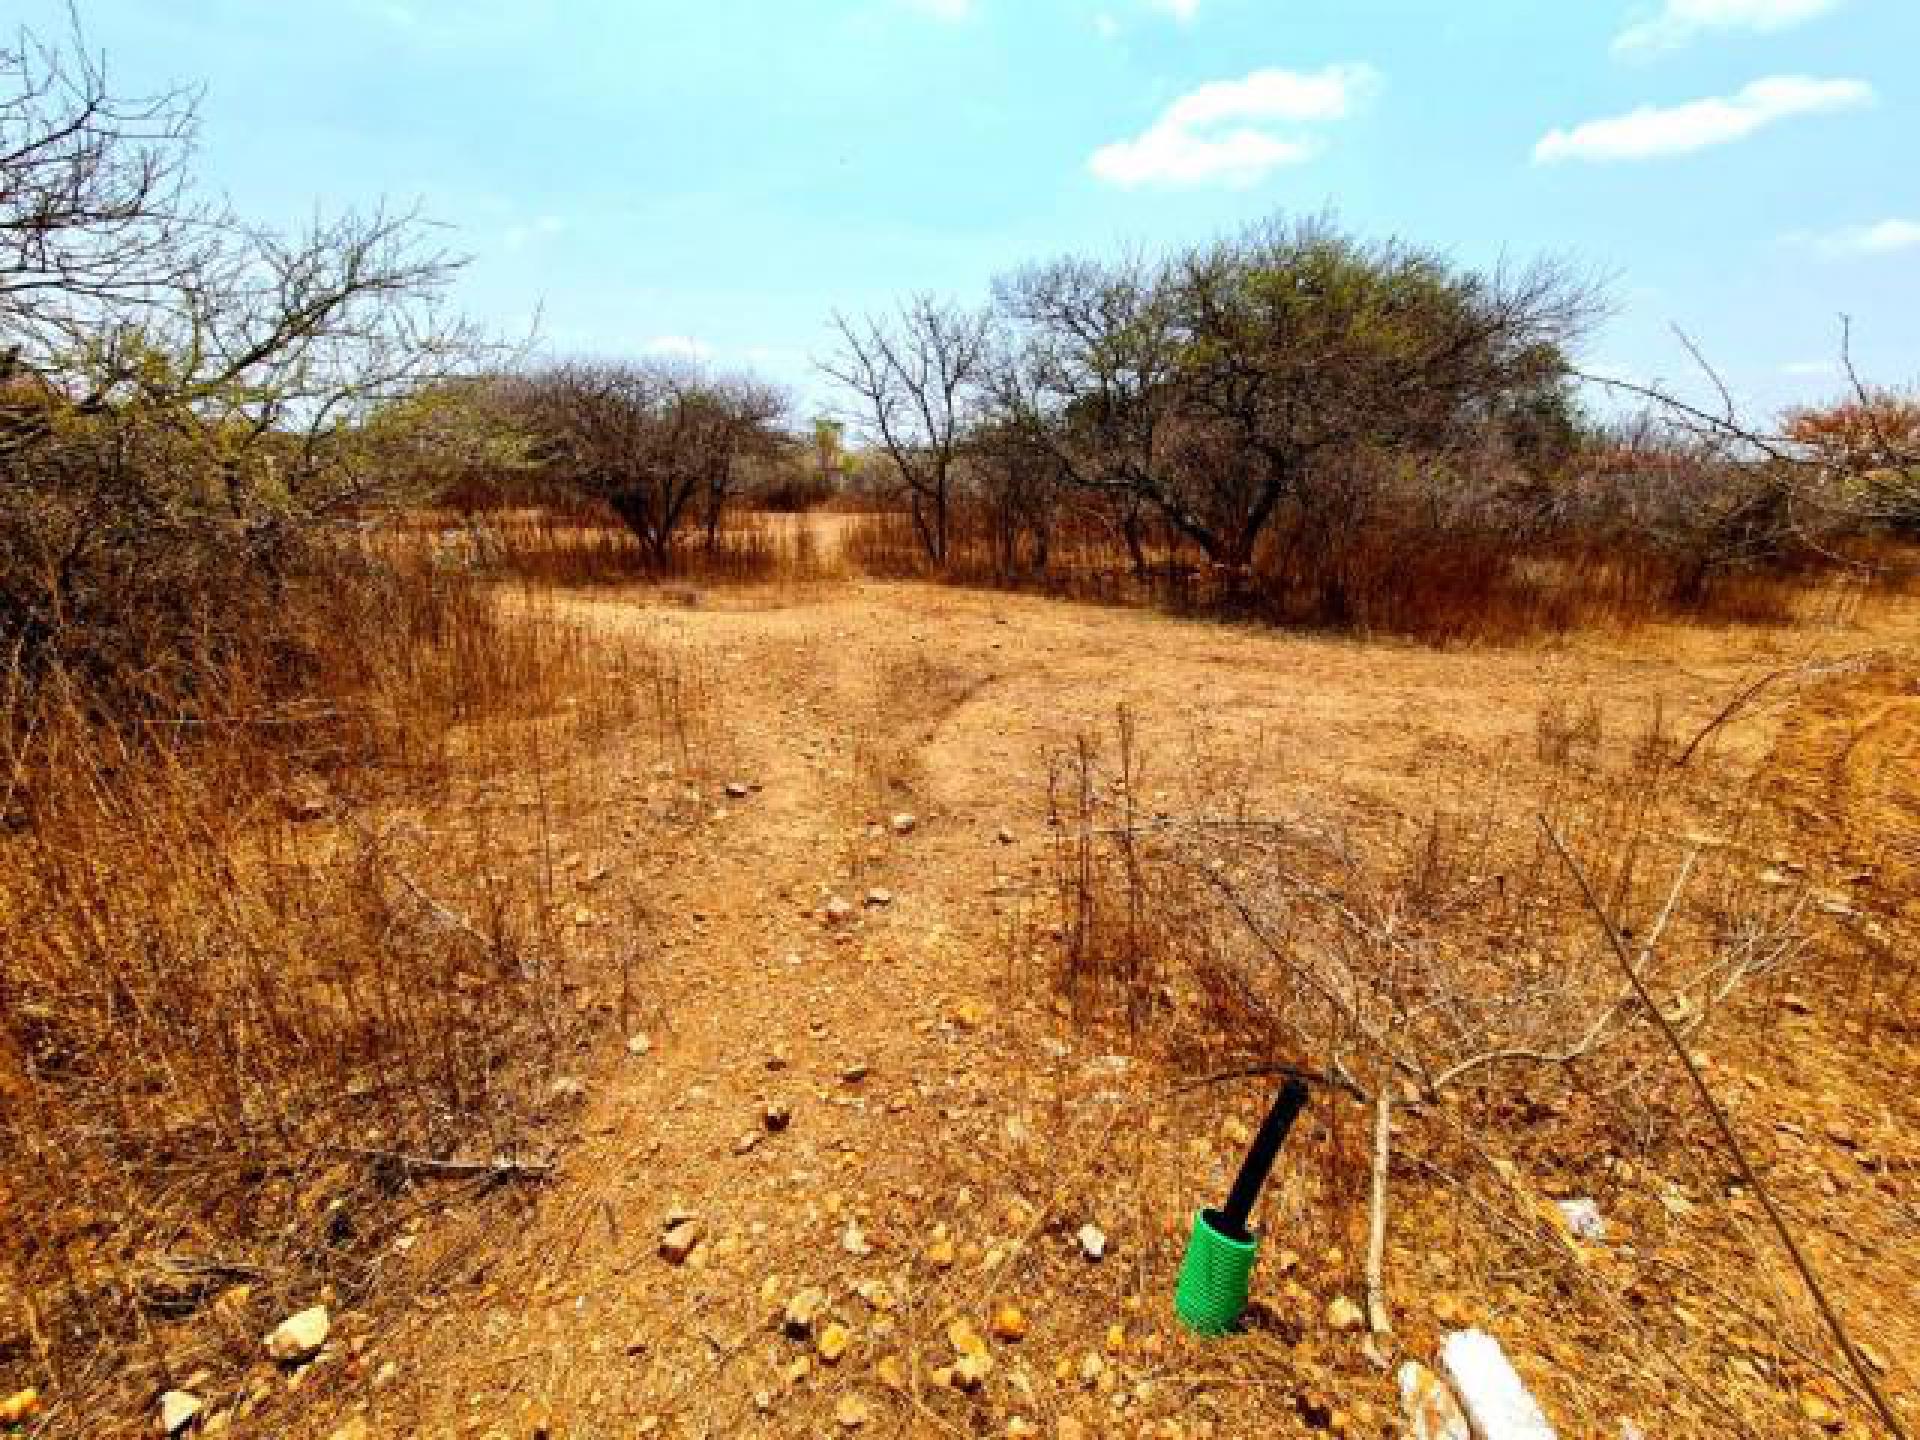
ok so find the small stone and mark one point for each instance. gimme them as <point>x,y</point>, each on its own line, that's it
<point>851,1413</point>
<point>878,899</point>
<point>1006,836</point>
<point>802,1310</point>
<point>178,1410</point>
<point>1583,1219</point>
<point>738,789</point>
<point>20,1407</point>
<point>970,1372</point>
<point>1093,1242</point>
<point>680,1242</point>
<point>300,1336</point>
<point>776,1117</point>
<point>940,1254</point>
<point>891,1372</point>
<point>854,1074</point>
<point>638,1045</point>
<point>965,1339</point>
<point>1010,1323</point>
<point>903,823</point>
<point>833,1343</point>
<point>1819,1411</point>
<point>853,1240</point>
<point>1344,1316</point>
<point>567,1087</point>
<point>838,911</point>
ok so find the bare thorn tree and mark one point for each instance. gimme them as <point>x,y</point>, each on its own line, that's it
<point>914,378</point>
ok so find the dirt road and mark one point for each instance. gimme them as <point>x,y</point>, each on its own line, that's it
<point>882,1107</point>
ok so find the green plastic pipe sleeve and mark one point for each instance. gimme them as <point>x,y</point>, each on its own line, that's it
<point>1212,1292</point>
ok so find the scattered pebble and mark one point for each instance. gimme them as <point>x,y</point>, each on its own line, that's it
<point>802,1310</point>
<point>1010,1323</point>
<point>178,1410</point>
<point>300,1336</point>
<point>680,1241</point>
<point>1093,1242</point>
<point>1344,1316</point>
<point>903,823</point>
<point>833,1343</point>
<point>851,1412</point>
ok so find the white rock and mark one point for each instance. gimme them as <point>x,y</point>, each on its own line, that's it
<point>300,1336</point>
<point>1093,1242</point>
<point>1491,1391</point>
<point>1584,1219</point>
<point>903,823</point>
<point>178,1410</point>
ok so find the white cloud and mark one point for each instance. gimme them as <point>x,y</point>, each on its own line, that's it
<point>1678,21</point>
<point>1225,132</point>
<point>1655,130</point>
<point>682,347</point>
<point>1883,237</point>
<point>951,11</point>
<point>1181,10</point>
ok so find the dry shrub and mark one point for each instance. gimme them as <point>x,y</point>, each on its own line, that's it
<point>1389,574</point>
<point>1451,965</point>
<point>270,963</point>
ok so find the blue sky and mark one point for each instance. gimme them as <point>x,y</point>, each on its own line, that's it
<point>720,176</point>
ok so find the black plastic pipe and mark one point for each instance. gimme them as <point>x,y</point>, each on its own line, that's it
<point>1258,1165</point>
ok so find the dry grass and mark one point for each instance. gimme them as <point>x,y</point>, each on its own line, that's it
<point>582,545</point>
<point>281,959</point>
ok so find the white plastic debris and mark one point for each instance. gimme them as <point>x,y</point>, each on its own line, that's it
<point>1583,1219</point>
<point>1432,1412</point>
<point>1490,1390</point>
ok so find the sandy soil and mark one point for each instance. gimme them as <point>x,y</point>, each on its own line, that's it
<point>949,1132</point>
